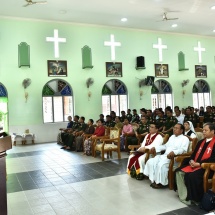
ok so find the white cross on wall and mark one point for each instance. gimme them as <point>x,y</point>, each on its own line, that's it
<point>160,48</point>
<point>209,149</point>
<point>112,44</point>
<point>56,41</point>
<point>199,49</point>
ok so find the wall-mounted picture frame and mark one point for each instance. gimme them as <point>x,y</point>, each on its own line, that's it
<point>57,68</point>
<point>113,69</point>
<point>161,70</point>
<point>201,71</point>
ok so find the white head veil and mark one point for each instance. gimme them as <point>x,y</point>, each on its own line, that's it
<point>191,127</point>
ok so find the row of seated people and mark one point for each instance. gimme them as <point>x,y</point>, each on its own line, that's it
<point>165,120</point>
<point>131,132</point>
<point>76,130</point>
<point>186,114</point>
<point>189,177</point>
<point>157,168</point>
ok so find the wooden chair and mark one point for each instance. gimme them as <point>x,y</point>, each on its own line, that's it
<point>140,138</point>
<point>213,179</point>
<point>199,133</point>
<point>126,137</point>
<point>110,144</point>
<point>207,183</point>
<point>201,121</point>
<point>172,167</point>
<point>95,140</point>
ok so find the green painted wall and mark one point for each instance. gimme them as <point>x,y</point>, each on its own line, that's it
<point>24,115</point>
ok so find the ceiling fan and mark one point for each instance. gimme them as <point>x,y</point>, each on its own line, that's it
<point>30,2</point>
<point>167,19</point>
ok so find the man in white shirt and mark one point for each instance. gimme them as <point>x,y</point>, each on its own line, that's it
<point>157,168</point>
<point>136,161</point>
<point>179,116</point>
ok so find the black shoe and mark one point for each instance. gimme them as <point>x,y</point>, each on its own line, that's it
<point>63,147</point>
<point>140,176</point>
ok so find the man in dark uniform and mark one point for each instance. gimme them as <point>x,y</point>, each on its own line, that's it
<point>113,115</point>
<point>149,116</point>
<point>188,116</point>
<point>135,117</point>
<point>123,116</point>
<point>195,118</point>
<point>169,123</point>
<point>160,121</point>
<point>129,115</point>
<point>109,122</point>
<point>101,117</point>
<point>74,128</point>
<point>64,130</point>
<point>140,132</point>
<point>69,142</point>
<point>209,115</point>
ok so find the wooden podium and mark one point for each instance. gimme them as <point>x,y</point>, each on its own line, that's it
<point>5,144</point>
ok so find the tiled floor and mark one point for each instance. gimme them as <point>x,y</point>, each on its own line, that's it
<point>43,179</point>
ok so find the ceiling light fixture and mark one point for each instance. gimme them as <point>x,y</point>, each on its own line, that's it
<point>213,7</point>
<point>124,19</point>
<point>214,30</point>
<point>174,25</point>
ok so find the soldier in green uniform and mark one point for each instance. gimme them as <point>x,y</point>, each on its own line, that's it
<point>141,131</point>
<point>109,122</point>
<point>123,116</point>
<point>68,140</point>
<point>195,118</point>
<point>209,115</point>
<point>169,123</point>
<point>150,117</point>
<point>190,117</point>
<point>160,121</point>
<point>129,115</point>
<point>135,117</point>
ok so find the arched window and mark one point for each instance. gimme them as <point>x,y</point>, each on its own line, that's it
<point>114,97</point>
<point>161,95</point>
<point>3,108</point>
<point>57,101</point>
<point>201,94</point>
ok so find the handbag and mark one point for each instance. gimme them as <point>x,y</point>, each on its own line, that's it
<point>208,201</point>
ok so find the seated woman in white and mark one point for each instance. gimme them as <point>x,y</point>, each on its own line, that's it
<point>189,129</point>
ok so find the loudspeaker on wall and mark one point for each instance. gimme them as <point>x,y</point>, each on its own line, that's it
<point>140,62</point>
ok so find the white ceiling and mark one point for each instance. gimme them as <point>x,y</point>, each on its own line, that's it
<point>195,16</point>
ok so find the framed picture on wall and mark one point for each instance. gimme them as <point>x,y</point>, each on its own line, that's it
<point>113,69</point>
<point>201,71</point>
<point>57,68</point>
<point>161,70</point>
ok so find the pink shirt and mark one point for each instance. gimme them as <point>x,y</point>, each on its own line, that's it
<point>127,129</point>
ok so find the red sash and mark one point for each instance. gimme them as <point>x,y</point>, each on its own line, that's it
<point>149,140</point>
<point>133,160</point>
<point>206,155</point>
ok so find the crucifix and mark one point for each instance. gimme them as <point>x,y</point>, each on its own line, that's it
<point>112,44</point>
<point>199,49</point>
<point>209,149</point>
<point>160,47</point>
<point>56,41</point>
